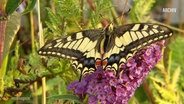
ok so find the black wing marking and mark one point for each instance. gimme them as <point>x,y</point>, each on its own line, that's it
<point>84,65</point>
<point>128,39</point>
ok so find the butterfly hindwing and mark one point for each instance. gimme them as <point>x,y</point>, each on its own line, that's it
<point>84,65</point>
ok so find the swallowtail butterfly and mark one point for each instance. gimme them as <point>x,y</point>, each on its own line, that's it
<point>109,47</point>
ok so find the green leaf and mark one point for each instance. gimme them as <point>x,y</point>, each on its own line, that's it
<point>158,80</point>
<point>12,5</point>
<point>4,67</point>
<point>31,5</point>
<point>52,61</point>
<point>175,77</point>
<point>177,52</point>
<point>54,18</point>
<point>12,28</point>
<point>140,10</point>
<point>161,101</point>
<point>65,97</point>
<point>165,93</point>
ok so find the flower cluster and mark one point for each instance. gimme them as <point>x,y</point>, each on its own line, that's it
<point>105,87</point>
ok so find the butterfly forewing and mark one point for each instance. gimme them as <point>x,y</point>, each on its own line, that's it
<point>74,46</point>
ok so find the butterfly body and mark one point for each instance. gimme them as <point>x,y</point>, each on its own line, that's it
<point>109,47</point>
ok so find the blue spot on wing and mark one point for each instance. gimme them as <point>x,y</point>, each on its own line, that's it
<point>113,59</point>
<point>91,62</point>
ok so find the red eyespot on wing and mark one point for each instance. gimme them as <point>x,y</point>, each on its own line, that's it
<point>98,62</point>
<point>104,62</point>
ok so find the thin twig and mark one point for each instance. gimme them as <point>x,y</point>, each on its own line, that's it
<point>32,30</point>
<point>180,15</point>
<point>171,27</point>
<point>149,92</point>
<point>2,38</point>
<point>41,41</point>
<point>123,11</point>
<point>82,12</point>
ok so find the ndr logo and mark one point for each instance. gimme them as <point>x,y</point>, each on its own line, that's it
<point>169,10</point>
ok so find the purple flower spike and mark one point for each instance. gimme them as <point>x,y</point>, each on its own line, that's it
<point>93,99</point>
<point>104,87</point>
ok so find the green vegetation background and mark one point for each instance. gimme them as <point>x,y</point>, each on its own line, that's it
<point>24,71</point>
